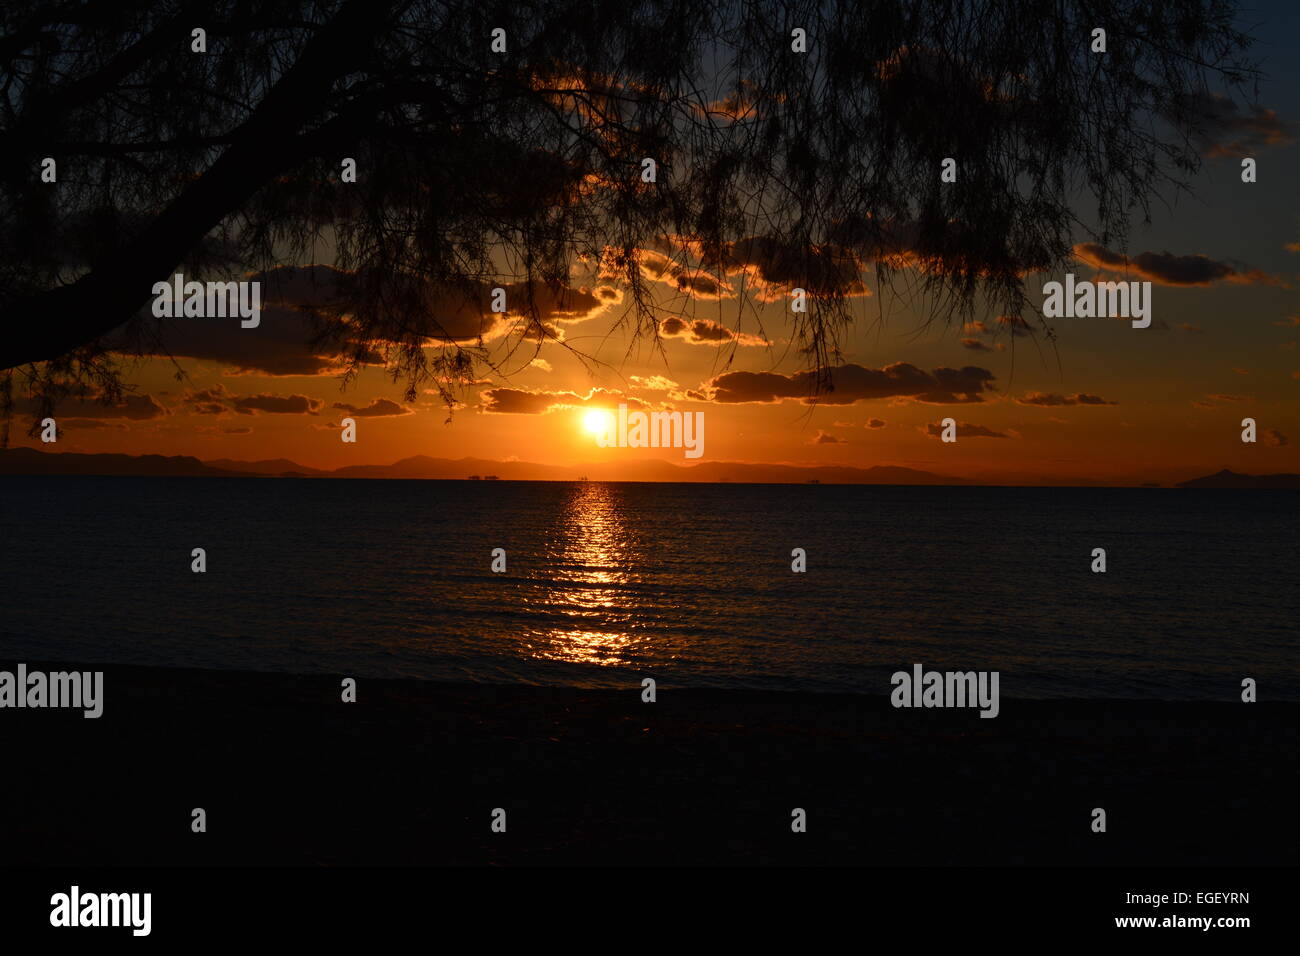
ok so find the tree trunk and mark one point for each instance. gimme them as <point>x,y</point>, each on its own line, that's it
<point>52,323</point>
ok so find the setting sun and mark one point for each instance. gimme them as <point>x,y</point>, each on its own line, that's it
<point>597,421</point>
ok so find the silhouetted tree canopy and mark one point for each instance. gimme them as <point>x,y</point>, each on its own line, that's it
<point>479,168</point>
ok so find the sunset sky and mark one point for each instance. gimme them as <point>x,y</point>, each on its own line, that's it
<point>1105,402</point>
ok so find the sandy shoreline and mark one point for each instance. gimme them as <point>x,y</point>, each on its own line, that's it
<point>411,773</point>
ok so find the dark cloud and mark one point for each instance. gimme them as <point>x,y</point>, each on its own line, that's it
<point>705,332</point>
<point>775,267</point>
<point>1220,128</point>
<point>218,400</point>
<point>925,245</point>
<point>313,287</point>
<point>693,282</point>
<point>277,404</point>
<point>1015,325</point>
<point>286,342</point>
<point>379,408</point>
<point>964,430</point>
<point>739,103</point>
<point>459,313</point>
<point>854,383</point>
<point>1053,399</point>
<point>535,331</point>
<point>1275,438</point>
<point>978,330</point>
<point>136,408</point>
<point>281,345</point>
<point>1164,268</point>
<point>92,424</point>
<point>875,423</point>
<point>515,401</point>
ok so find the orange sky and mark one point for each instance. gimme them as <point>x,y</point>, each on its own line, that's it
<point>1105,403</point>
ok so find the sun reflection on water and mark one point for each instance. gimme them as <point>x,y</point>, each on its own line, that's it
<point>590,591</point>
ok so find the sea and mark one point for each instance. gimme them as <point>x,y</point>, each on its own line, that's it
<point>605,584</point>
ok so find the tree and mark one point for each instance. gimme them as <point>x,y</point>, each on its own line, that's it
<point>480,167</point>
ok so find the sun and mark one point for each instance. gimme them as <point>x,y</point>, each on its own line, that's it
<point>597,421</point>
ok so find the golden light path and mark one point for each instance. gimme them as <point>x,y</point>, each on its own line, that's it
<point>592,549</point>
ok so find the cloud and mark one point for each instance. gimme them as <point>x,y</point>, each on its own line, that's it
<point>775,266</point>
<point>1188,327</point>
<point>218,400</point>
<point>1220,128</point>
<point>653,383</point>
<point>1048,399</point>
<point>227,430</point>
<point>285,343</point>
<point>964,430</point>
<point>1014,324</point>
<point>277,404</point>
<point>92,424</point>
<point>1275,438</point>
<point>853,383</point>
<point>875,423</point>
<point>1164,268</point>
<point>932,244</point>
<point>379,408</point>
<point>705,332</point>
<point>514,401</point>
<point>693,282</point>
<point>542,364</point>
<point>740,103</point>
<point>826,438</point>
<point>448,313</point>
<point>136,408</point>
<point>281,345</point>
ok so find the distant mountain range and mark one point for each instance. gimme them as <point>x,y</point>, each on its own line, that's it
<point>1231,479</point>
<point>28,461</point>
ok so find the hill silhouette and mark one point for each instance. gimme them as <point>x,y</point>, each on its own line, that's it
<point>1232,479</point>
<point>27,461</point>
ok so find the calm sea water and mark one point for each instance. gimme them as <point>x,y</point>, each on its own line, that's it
<point>690,584</point>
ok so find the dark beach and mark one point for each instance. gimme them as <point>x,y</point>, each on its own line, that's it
<point>410,774</point>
